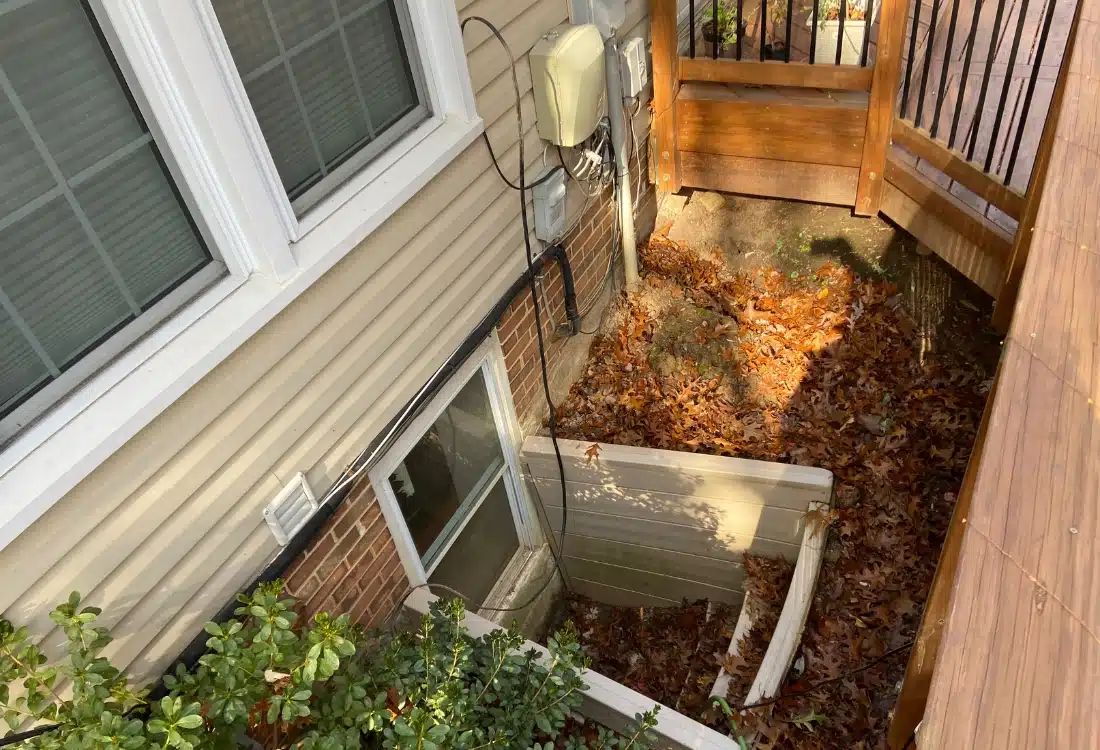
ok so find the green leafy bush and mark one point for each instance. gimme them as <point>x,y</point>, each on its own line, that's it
<point>327,685</point>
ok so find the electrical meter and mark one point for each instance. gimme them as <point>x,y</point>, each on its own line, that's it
<point>567,75</point>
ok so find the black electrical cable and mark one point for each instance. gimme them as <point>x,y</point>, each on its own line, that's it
<point>496,165</point>
<point>568,171</point>
<point>552,420</point>
<point>11,739</point>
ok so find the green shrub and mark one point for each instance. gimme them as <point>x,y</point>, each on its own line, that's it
<point>327,685</point>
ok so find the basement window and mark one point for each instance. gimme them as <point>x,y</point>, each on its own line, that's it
<point>450,487</point>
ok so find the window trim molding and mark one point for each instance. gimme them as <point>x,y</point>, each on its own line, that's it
<point>245,115</point>
<point>447,85</point>
<point>188,108</point>
<point>487,359</point>
<point>142,57</point>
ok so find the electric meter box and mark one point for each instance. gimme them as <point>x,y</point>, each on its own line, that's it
<point>549,199</point>
<point>567,75</point>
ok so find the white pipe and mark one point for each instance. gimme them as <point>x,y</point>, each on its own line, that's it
<point>622,160</point>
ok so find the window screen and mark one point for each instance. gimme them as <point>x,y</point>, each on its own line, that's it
<point>332,83</point>
<point>92,231</point>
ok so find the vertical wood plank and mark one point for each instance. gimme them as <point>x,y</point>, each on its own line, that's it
<point>880,107</point>
<point>1006,302</point>
<point>909,710</point>
<point>666,75</point>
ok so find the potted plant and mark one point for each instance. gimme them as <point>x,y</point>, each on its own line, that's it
<point>828,30</point>
<point>724,27</point>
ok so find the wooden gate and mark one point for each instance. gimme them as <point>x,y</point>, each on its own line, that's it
<point>930,111</point>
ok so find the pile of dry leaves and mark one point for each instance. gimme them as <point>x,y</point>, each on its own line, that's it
<point>665,653</point>
<point>824,370</point>
<point>766,584</point>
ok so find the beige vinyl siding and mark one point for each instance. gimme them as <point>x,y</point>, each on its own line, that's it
<point>166,530</point>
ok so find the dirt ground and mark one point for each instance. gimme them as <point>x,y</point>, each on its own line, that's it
<point>799,334</point>
<point>799,238</point>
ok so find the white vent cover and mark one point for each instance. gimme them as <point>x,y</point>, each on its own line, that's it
<point>290,509</point>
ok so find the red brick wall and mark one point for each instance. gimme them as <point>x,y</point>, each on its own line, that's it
<point>352,565</point>
<point>588,247</point>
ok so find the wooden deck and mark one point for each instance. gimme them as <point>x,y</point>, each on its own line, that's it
<point>1019,660</point>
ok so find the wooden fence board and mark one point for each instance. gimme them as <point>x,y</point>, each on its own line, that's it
<point>954,164</point>
<point>776,73</point>
<point>770,178</point>
<point>769,124</point>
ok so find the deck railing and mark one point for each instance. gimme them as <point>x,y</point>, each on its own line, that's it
<point>989,110</point>
<point>776,30</point>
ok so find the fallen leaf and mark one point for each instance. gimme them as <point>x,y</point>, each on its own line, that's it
<point>593,452</point>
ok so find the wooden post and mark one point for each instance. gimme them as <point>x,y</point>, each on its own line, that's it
<point>1021,245</point>
<point>666,82</point>
<point>880,108</point>
<point>909,710</point>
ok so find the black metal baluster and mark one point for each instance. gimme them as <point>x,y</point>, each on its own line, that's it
<point>840,29</point>
<point>691,36</point>
<point>790,13</point>
<point>997,118</point>
<point>813,33</point>
<point>714,26</point>
<point>946,64</point>
<point>1030,90</point>
<point>909,62</point>
<point>763,27</point>
<point>740,25</point>
<point>928,47</point>
<point>965,73</point>
<point>976,127</point>
<point>866,32</point>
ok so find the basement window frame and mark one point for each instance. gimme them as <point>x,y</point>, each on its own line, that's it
<point>488,360</point>
<point>178,68</point>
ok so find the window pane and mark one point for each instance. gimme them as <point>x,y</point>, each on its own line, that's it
<point>449,468</point>
<point>325,79</point>
<point>57,283</point>
<point>477,558</point>
<point>25,173</point>
<point>379,59</point>
<point>132,208</point>
<point>285,131</point>
<point>336,113</point>
<point>21,370</point>
<point>92,231</point>
<point>66,83</point>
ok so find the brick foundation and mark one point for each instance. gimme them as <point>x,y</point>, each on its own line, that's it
<point>352,566</point>
<point>588,247</point>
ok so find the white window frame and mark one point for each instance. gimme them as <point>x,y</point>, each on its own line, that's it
<point>178,68</point>
<point>489,361</point>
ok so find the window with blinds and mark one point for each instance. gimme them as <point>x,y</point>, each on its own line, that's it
<point>94,237</point>
<point>333,83</point>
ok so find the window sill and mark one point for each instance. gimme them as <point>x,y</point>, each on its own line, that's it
<point>40,465</point>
